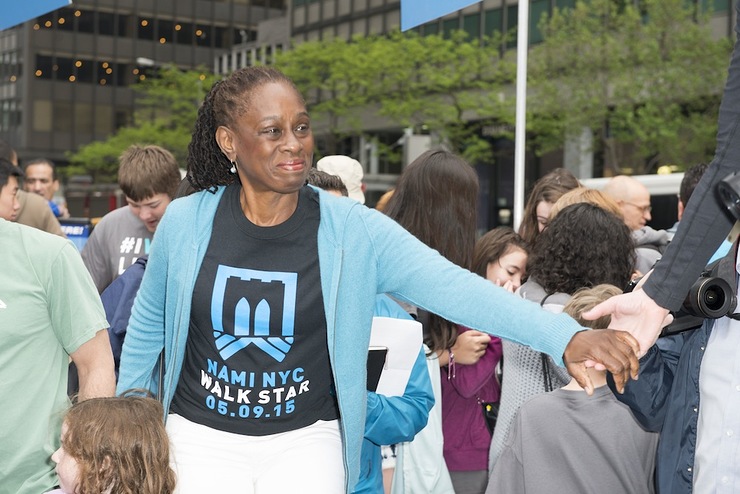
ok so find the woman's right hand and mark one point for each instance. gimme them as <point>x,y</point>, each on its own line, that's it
<point>470,347</point>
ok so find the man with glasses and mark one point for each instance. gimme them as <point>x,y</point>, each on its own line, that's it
<point>634,201</point>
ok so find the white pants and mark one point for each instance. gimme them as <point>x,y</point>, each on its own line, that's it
<point>307,460</point>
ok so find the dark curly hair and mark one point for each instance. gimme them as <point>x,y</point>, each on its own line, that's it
<point>583,246</point>
<point>227,100</point>
<point>435,200</point>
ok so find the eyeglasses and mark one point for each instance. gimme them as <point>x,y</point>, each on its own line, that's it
<point>644,209</point>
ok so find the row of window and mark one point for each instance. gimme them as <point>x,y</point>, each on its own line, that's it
<point>89,71</point>
<point>78,117</point>
<point>714,5</point>
<point>493,20</point>
<point>10,115</point>
<point>10,67</point>
<point>263,55</point>
<point>145,28</point>
<point>504,19</point>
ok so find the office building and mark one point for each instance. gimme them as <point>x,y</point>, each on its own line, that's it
<point>66,77</point>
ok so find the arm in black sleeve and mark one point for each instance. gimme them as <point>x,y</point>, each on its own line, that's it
<point>705,223</point>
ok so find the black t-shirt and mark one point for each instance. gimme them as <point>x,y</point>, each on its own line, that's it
<point>256,360</point>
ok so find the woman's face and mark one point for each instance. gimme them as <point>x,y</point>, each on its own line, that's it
<point>508,268</point>
<point>272,142</point>
<point>67,469</point>
<point>543,214</point>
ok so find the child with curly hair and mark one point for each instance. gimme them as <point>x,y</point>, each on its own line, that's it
<point>114,446</point>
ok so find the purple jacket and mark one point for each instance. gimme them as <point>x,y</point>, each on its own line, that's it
<point>466,436</point>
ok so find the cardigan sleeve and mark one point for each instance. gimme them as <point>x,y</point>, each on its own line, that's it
<point>411,271</point>
<point>145,334</point>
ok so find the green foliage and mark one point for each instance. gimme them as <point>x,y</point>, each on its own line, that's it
<point>444,82</point>
<point>440,82</point>
<point>647,81</point>
<point>167,106</point>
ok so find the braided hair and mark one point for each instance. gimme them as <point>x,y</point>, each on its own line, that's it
<point>227,100</point>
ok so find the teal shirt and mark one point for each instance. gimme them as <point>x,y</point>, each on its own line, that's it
<point>362,253</point>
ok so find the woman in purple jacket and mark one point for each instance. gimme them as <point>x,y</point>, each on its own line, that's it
<point>501,257</point>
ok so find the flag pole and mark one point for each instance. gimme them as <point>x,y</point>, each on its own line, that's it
<point>522,46</point>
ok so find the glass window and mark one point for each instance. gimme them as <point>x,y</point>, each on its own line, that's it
<point>471,25</point>
<point>107,23</point>
<point>431,28</point>
<point>244,35</point>
<point>45,21</point>
<point>120,73</point>
<point>11,115</point>
<point>184,33</point>
<point>85,70</point>
<point>450,25</point>
<point>44,67</point>
<point>563,4</point>
<point>105,73</point>
<point>85,21</point>
<point>539,8</point>
<point>715,5</point>
<point>103,120</point>
<point>122,118</point>
<point>203,35</point>
<point>512,19</point>
<point>492,19</point>
<point>223,37</point>
<point>165,31</point>
<point>61,116</point>
<point>65,19</point>
<point>83,118</point>
<point>42,116</point>
<point>145,28</point>
<point>65,69</point>
<point>124,25</point>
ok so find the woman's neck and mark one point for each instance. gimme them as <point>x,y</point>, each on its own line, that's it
<point>269,208</point>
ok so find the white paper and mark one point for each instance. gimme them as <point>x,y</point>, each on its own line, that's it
<point>403,338</point>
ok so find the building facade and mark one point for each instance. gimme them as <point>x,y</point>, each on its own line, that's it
<point>66,77</point>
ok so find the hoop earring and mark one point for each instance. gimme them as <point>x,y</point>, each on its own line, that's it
<point>233,167</point>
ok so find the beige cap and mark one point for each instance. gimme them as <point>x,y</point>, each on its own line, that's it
<point>346,168</point>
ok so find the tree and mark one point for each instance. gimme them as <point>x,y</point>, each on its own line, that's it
<point>646,80</point>
<point>334,77</point>
<point>167,107</point>
<point>444,83</point>
<point>436,81</point>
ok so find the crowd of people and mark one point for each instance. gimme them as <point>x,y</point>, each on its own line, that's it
<point>218,325</point>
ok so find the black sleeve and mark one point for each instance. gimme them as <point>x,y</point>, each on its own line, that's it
<point>706,222</point>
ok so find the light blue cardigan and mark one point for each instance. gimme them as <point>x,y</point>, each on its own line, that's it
<point>361,253</point>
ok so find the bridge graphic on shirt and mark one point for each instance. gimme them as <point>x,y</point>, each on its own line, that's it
<point>251,307</point>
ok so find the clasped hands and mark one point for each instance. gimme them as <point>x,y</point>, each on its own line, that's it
<point>639,321</point>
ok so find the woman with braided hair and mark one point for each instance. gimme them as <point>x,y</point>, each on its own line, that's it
<point>260,292</point>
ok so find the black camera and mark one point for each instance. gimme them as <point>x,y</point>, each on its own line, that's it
<point>711,296</point>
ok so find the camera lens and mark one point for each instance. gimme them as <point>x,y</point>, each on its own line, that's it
<point>710,297</point>
<point>714,299</point>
